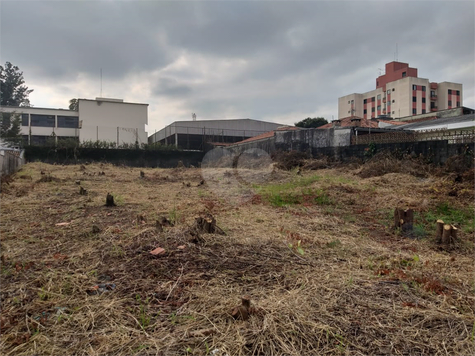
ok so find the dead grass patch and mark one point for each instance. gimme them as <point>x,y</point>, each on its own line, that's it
<point>322,278</point>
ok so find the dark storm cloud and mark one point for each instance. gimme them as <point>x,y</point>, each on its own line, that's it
<point>244,58</point>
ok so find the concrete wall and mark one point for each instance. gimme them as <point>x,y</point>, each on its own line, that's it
<point>11,161</point>
<point>102,117</point>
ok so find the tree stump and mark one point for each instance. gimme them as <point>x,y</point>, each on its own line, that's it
<point>82,191</point>
<point>207,224</point>
<point>142,174</point>
<point>110,200</point>
<point>440,229</point>
<point>448,233</point>
<point>404,219</point>
<point>242,311</point>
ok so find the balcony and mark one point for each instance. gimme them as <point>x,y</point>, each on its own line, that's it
<point>433,108</point>
<point>433,97</point>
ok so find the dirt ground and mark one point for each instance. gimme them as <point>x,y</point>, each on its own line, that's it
<point>314,250</point>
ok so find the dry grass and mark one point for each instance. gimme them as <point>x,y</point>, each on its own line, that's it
<point>354,287</point>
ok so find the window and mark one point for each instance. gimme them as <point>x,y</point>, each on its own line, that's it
<point>423,100</point>
<point>372,99</point>
<point>352,101</point>
<point>364,101</point>
<point>423,111</point>
<point>372,109</point>
<point>379,96</point>
<point>377,83</point>
<point>450,102</point>
<point>389,103</point>
<point>394,101</point>
<point>458,92</point>
<point>38,140</point>
<point>414,111</point>
<point>68,121</point>
<point>432,105</point>
<point>365,111</point>
<point>388,92</point>
<point>450,91</point>
<point>414,87</point>
<point>394,89</point>
<point>393,112</point>
<point>379,107</point>
<point>348,101</point>
<point>42,120</point>
<point>414,99</point>
<point>458,104</point>
<point>348,111</point>
<point>25,120</point>
<point>403,74</point>
<point>423,88</point>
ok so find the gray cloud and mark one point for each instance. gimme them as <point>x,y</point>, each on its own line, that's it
<point>237,59</point>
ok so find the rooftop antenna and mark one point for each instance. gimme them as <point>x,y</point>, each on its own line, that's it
<point>101,83</point>
<point>380,71</point>
<point>193,116</point>
<point>396,53</point>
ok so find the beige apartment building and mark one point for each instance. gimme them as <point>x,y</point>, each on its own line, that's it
<point>400,93</point>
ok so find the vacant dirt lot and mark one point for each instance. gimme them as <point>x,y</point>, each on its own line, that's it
<point>314,251</point>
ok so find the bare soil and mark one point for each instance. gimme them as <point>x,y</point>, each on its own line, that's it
<point>325,273</point>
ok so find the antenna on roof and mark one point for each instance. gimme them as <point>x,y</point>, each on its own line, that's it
<point>380,71</point>
<point>101,83</point>
<point>193,116</point>
<point>396,53</point>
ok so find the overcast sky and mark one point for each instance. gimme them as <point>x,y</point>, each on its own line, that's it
<point>274,61</point>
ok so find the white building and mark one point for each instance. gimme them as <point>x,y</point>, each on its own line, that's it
<point>102,119</point>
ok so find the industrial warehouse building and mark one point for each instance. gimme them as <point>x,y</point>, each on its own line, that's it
<point>196,135</point>
<point>102,119</point>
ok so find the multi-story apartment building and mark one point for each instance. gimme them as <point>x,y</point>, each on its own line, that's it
<point>400,93</point>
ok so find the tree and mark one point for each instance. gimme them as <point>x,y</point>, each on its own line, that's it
<point>13,91</point>
<point>74,104</point>
<point>10,130</point>
<point>311,123</point>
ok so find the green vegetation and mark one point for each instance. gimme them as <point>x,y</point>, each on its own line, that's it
<point>294,192</point>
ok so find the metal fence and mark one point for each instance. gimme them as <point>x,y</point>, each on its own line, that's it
<point>452,136</point>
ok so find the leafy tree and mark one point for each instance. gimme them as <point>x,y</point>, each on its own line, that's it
<point>10,130</point>
<point>74,104</point>
<point>13,91</point>
<point>311,123</point>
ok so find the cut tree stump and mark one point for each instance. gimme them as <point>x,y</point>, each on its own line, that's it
<point>207,224</point>
<point>82,191</point>
<point>242,312</point>
<point>440,229</point>
<point>446,233</point>
<point>110,200</point>
<point>404,219</point>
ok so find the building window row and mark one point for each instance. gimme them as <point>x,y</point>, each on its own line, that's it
<point>414,87</point>
<point>50,121</point>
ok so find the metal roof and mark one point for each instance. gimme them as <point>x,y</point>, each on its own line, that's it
<point>444,122</point>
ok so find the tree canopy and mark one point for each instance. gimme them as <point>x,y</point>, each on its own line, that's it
<point>13,91</point>
<point>311,122</point>
<point>74,104</point>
